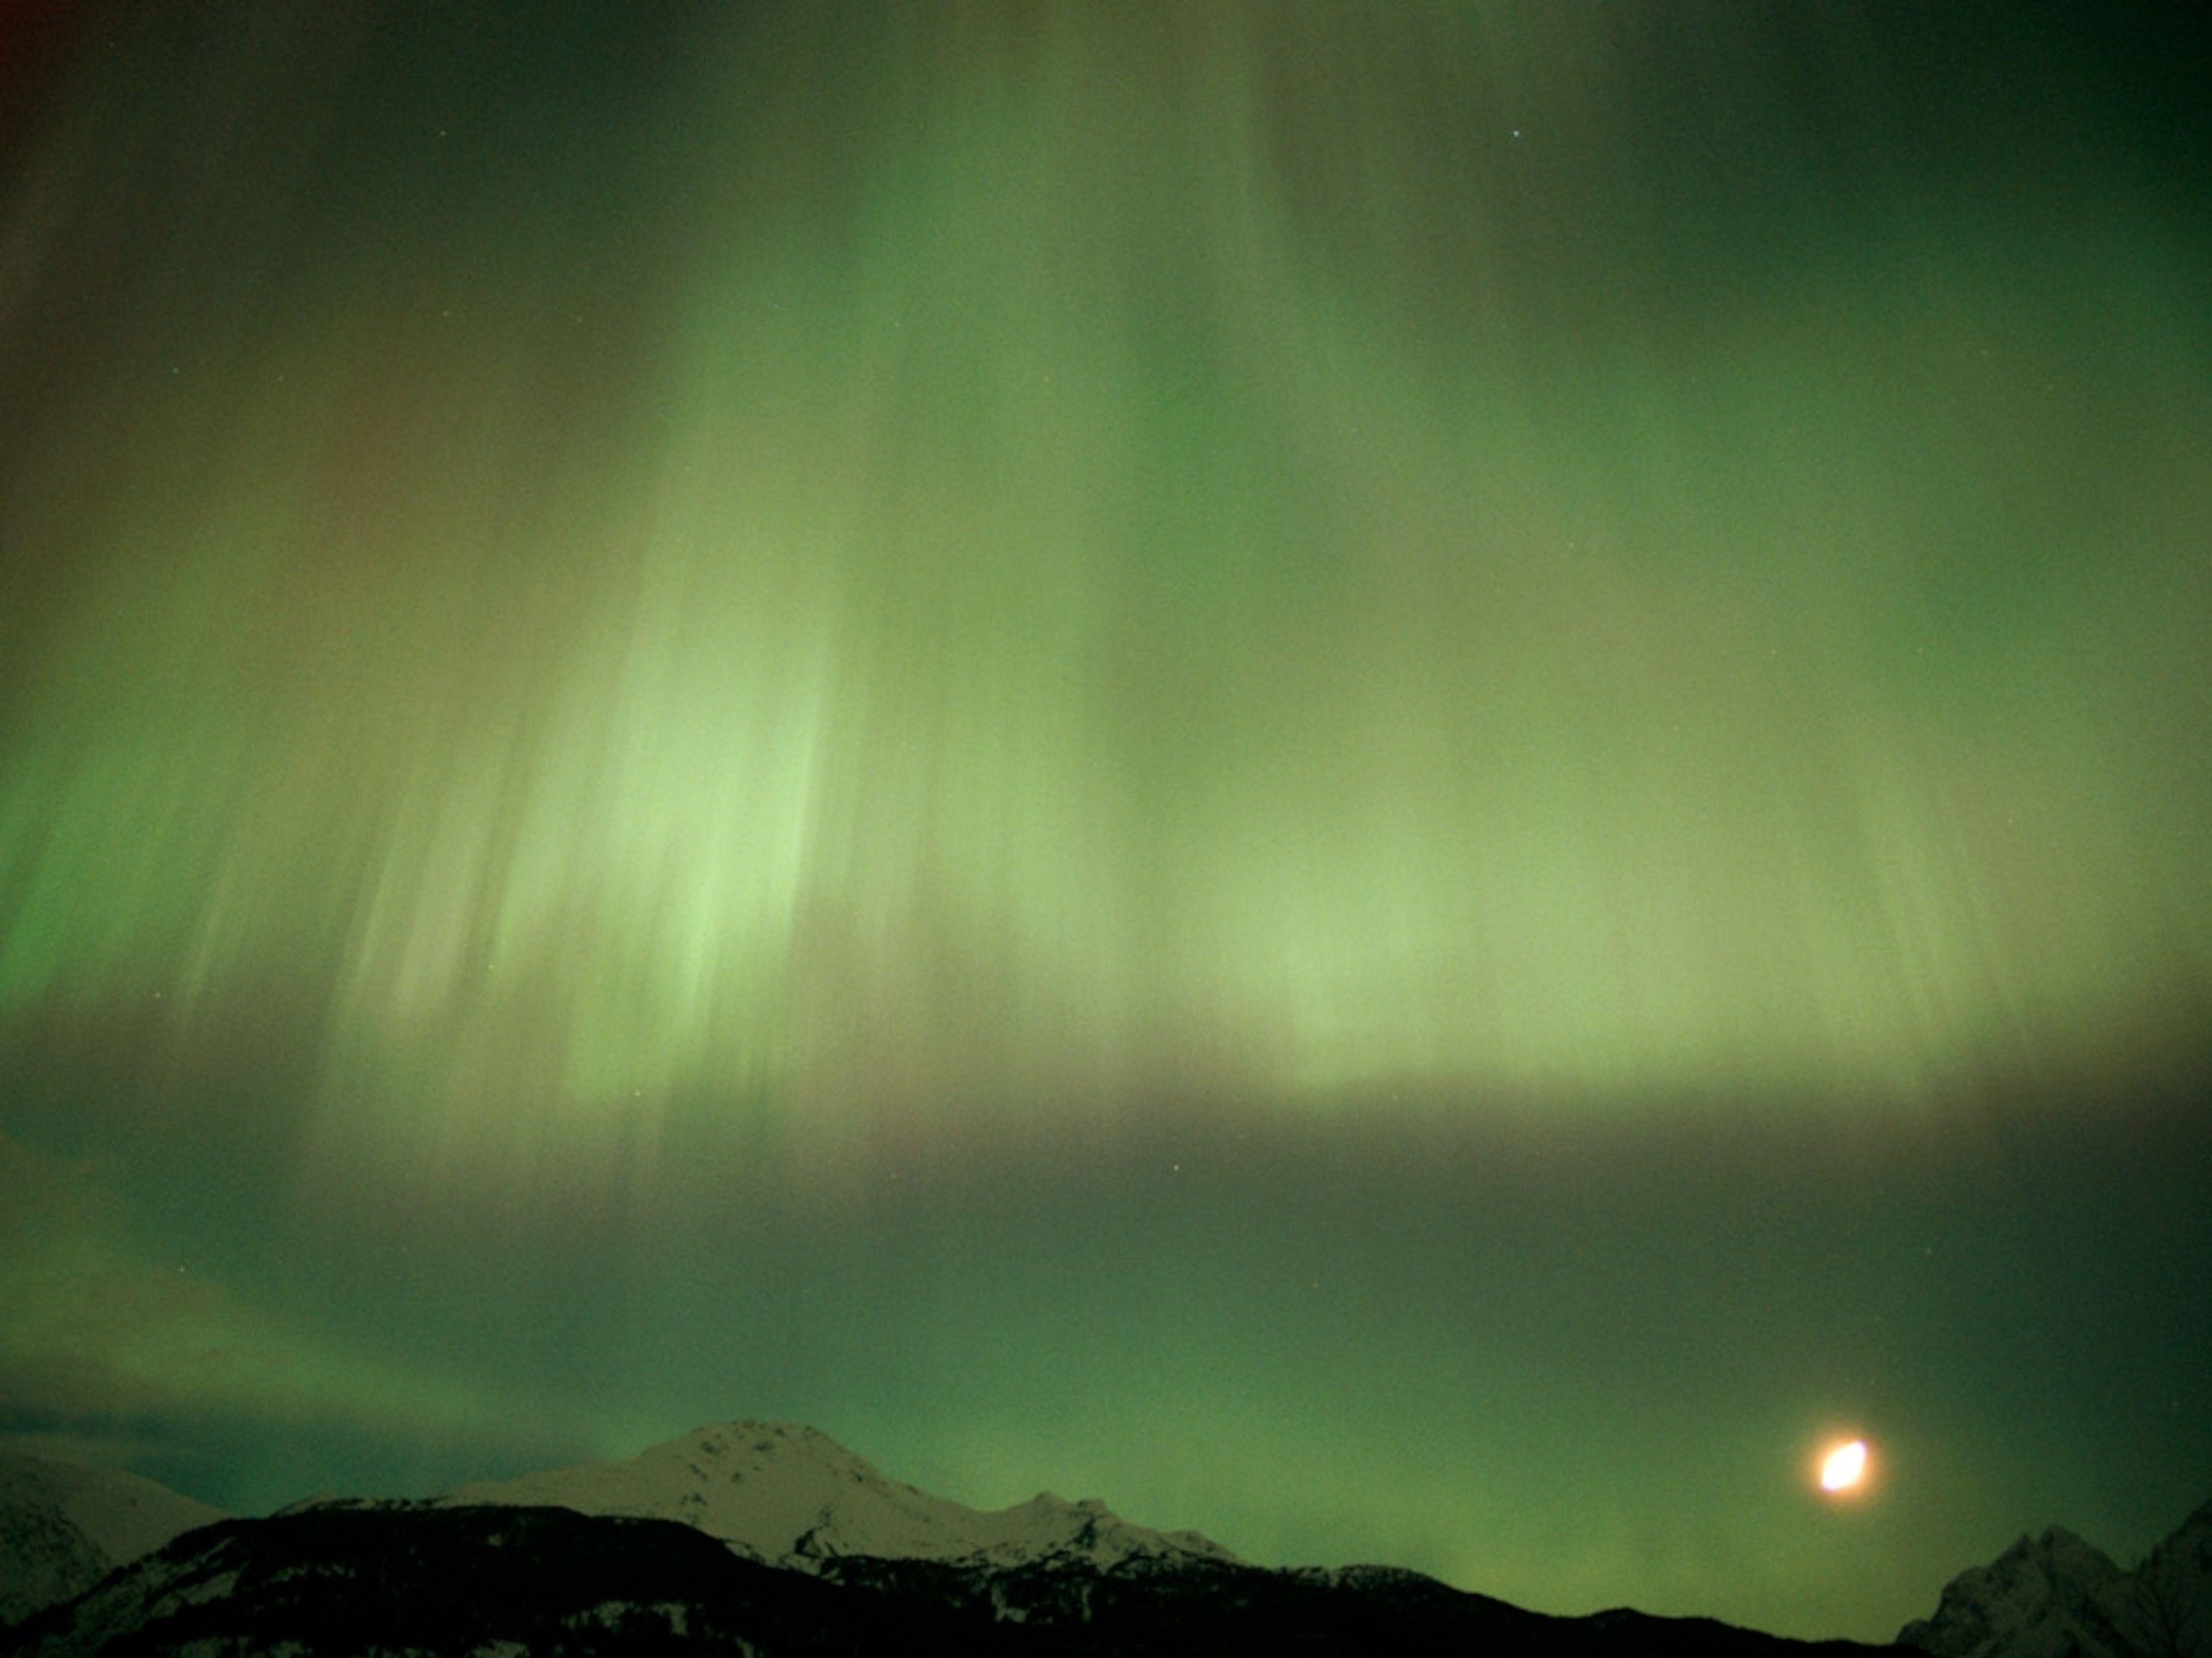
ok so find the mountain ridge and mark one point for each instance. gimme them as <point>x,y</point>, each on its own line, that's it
<point>788,1494</point>
<point>772,1537</point>
<point>403,1579</point>
<point>2055,1595</point>
<point>64,1526</point>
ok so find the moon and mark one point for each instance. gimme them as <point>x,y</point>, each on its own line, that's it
<point>1844,1466</point>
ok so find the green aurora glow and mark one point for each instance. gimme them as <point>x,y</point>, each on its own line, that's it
<point>1126,734</point>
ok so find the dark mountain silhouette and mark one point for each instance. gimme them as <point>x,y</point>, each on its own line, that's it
<point>425,1579</point>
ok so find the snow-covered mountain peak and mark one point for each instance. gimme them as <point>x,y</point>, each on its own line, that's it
<point>2059,1546</point>
<point>2057,1596</point>
<point>755,1441</point>
<point>2043,1597</point>
<point>63,1525</point>
<point>122,1513</point>
<point>788,1494</point>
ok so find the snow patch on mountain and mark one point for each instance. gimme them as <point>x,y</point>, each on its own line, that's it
<point>789,1494</point>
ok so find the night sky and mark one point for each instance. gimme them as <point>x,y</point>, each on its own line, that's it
<point>1416,781</point>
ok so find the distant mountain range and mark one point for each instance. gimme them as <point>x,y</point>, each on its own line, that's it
<point>771,1539</point>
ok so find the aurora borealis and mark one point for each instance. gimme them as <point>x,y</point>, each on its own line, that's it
<point>1406,780</point>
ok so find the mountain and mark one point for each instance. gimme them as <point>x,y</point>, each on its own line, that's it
<point>2172,1594</point>
<point>2055,1596</point>
<point>786,1494</point>
<point>409,1578</point>
<point>403,1579</point>
<point>771,1539</point>
<point>64,1527</point>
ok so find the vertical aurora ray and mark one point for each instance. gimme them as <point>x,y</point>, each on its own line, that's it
<point>1036,599</point>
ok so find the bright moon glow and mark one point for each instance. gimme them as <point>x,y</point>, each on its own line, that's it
<point>1844,1466</point>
